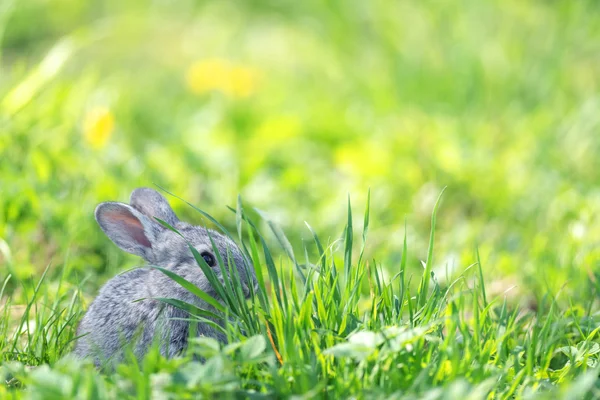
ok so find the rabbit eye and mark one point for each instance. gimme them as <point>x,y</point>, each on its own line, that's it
<point>209,258</point>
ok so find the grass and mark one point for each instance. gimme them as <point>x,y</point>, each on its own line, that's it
<point>294,106</point>
<point>330,326</point>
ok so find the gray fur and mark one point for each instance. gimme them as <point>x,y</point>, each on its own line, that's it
<point>114,318</point>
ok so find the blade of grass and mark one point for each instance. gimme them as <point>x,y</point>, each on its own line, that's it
<point>190,287</point>
<point>424,287</point>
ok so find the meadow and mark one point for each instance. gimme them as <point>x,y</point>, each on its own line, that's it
<point>416,182</point>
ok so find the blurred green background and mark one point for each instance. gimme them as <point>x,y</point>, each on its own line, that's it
<point>294,105</point>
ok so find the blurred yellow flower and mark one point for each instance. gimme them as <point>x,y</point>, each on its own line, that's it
<point>98,126</point>
<point>221,75</point>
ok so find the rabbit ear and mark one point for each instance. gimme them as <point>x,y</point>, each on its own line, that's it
<point>127,228</point>
<point>153,204</point>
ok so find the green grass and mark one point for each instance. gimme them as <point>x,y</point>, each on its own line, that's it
<point>328,327</point>
<point>295,105</point>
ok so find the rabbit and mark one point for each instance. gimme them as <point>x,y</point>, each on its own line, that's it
<point>117,316</point>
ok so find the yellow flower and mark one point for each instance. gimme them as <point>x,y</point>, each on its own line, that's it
<point>221,75</point>
<point>243,81</point>
<point>98,125</point>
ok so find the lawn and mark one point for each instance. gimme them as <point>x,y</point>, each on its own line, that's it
<point>416,183</point>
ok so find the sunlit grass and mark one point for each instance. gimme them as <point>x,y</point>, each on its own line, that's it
<point>294,106</point>
<point>331,325</point>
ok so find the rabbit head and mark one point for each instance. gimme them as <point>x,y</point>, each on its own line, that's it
<point>134,228</point>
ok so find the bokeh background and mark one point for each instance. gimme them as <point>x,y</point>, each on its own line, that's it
<point>295,105</point>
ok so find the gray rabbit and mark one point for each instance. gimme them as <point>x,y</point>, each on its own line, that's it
<point>115,318</point>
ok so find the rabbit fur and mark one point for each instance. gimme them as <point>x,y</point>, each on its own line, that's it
<point>115,318</point>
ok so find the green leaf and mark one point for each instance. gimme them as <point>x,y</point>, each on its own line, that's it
<point>253,348</point>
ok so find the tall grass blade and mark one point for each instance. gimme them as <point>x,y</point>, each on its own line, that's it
<point>424,287</point>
